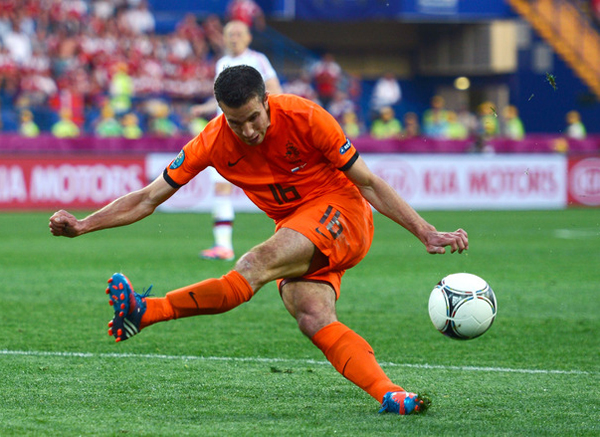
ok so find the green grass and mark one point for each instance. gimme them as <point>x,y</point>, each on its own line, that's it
<point>251,372</point>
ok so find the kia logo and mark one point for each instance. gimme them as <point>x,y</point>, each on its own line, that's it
<point>400,175</point>
<point>584,183</point>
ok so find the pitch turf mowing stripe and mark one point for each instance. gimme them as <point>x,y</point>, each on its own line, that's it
<point>572,234</point>
<point>291,360</point>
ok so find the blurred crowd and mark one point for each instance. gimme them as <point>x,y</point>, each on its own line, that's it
<point>97,67</point>
<point>69,59</point>
<point>480,128</point>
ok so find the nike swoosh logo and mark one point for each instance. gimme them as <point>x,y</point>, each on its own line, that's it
<point>231,164</point>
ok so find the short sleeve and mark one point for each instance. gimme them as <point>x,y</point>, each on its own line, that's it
<point>330,138</point>
<point>190,161</point>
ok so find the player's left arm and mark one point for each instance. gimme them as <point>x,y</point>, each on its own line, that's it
<point>385,200</point>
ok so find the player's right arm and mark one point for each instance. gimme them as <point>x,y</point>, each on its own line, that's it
<point>125,210</point>
<point>385,200</point>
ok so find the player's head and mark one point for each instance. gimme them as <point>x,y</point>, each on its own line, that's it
<point>236,85</point>
<point>237,37</point>
<point>240,92</point>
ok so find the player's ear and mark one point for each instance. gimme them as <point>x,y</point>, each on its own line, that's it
<point>266,101</point>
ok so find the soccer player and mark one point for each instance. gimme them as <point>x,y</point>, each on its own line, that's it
<point>293,161</point>
<point>237,38</point>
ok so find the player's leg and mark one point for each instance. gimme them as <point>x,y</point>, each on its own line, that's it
<point>312,304</point>
<point>341,230</point>
<point>286,254</point>
<point>223,215</point>
<point>290,253</point>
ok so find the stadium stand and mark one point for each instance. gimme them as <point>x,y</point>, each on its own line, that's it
<point>81,54</point>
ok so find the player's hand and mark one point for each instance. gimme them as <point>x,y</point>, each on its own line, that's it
<point>64,224</point>
<point>437,241</point>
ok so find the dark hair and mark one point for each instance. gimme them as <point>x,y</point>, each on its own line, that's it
<point>235,86</point>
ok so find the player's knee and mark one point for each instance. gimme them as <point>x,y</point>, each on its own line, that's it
<point>252,268</point>
<point>311,323</point>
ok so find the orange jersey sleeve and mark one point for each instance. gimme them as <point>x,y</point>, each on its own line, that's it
<point>301,158</point>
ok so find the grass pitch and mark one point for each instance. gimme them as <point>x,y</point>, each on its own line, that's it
<point>251,372</point>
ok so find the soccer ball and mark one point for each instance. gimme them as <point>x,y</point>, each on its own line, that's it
<point>462,306</point>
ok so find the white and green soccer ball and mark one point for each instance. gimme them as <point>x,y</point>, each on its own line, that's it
<point>462,306</point>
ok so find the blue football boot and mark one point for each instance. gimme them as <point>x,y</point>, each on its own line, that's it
<point>129,307</point>
<point>403,403</point>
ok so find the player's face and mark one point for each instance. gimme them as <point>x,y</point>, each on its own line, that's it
<point>250,121</point>
<point>237,38</point>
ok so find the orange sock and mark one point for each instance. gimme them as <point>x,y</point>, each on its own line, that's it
<point>352,356</point>
<point>211,296</point>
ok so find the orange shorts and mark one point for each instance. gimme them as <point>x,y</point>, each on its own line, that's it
<point>341,226</point>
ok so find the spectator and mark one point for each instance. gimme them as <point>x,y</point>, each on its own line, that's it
<point>487,129</point>
<point>455,130</point>
<point>108,126</point>
<point>326,75</point>
<point>213,30</point>
<point>351,84</point>
<point>575,128</point>
<point>387,125</point>
<point>351,125</point>
<point>189,28</point>
<point>302,87</point>
<point>196,125</point>
<point>179,47</point>
<point>248,12</point>
<point>18,44</point>
<point>71,97</point>
<point>488,120</point>
<point>387,92</point>
<point>468,119</point>
<point>103,9</point>
<point>65,57</point>
<point>436,124</point>
<point>37,88</point>
<point>340,105</point>
<point>513,126</point>
<point>411,125</point>
<point>160,124</point>
<point>79,42</point>
<point>65,127</point>
<point>138,19</point>
<point>121,89</point>
<point>131,127</point>
<point>27,127</point>
<point>435,118</point>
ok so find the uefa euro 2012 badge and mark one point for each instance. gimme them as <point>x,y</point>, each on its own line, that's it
<point>177,161</point>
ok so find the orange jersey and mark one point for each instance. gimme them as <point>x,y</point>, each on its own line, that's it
<point>300,158</point>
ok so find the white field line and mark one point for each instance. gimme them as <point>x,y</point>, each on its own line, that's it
<point>289,361</point>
